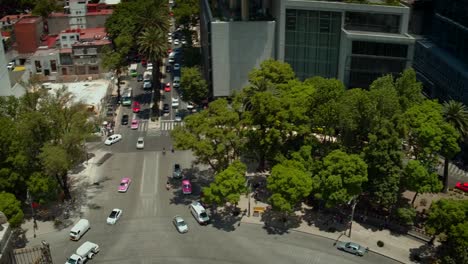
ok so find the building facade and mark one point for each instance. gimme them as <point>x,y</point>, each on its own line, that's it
<point>28,32</point>
<point>5,84</point>
<point>355,43</point>
<point>441,55</point>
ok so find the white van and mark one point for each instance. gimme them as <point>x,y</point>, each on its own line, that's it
<point>79,229</point>
<point>198,211</point>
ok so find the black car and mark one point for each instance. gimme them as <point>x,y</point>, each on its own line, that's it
<point>125,120</point>
<point>166,108</point>
<point>139,77</point>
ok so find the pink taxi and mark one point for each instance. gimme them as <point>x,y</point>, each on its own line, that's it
<point>124,183</point>
<point>186,187</point>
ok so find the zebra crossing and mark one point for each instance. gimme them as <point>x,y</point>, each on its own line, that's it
<point>168,125</point>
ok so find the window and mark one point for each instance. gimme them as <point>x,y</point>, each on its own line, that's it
<point>372,22</point>
<point>38,66</point>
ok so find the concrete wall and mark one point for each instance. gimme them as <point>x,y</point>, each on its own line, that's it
<point>57,24</point>
<point>237,48</point>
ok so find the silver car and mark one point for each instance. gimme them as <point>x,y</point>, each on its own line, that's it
<point>352,248</point>
<point>180,224</point>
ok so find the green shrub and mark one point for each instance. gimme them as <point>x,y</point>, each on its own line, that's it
<point>406,215</point>
<point>11,207</point>
<point>380,243</point>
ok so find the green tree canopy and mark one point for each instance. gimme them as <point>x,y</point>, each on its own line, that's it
<point>193,86</point>
<point>228,185</point>
<point>340,178</point>
<point>11,207</point>
<point>288,185</point>
<point>214,135</point>
<point>444,214</point>
<point>418,179</point>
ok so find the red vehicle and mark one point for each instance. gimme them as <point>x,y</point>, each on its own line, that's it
<point>462,186</point>
<point>143,63</point>
<point>167,87</point>
<point>136,107</point>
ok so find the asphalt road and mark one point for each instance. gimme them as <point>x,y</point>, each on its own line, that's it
<point>145,233</point>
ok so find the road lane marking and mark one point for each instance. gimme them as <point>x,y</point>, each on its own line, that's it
<point>142,177</point>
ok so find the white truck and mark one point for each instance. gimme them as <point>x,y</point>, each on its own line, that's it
<point>83,253</point>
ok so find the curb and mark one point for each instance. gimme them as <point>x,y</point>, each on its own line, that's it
<point>334,240</point>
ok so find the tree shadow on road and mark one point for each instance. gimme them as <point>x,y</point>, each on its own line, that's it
<point>227,219</point>
<point>278,223</point>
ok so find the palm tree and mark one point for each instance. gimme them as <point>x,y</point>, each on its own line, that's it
<point>456,114</point>
<point>152,43</point>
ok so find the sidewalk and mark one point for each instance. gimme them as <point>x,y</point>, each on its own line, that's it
<point>396,247</point>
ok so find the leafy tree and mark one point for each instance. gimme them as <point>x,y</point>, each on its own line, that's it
<point>340,178</point>
<point>214,135</point>
<point>193,86</point>
<point>186,12</point>
<point>445,214</point>
<point>419,180</point>
<point>428,134</point>
<point>56,164</point>
<point>228,185</point>
<point>114,60</point>
<point>455,245</point>
<point>288,185</point>
<point>383,155</point>
<point>409,89</point>
<point>43,8</point>
<point>271,73</point>
<point>406,215</point>
<point>456,114</point>
<point>43,188</point>
<point>386,98</point>
<point>356,118</point>
<point>11,207</point>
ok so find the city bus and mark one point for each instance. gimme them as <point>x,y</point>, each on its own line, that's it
<point>127,97</point>
<point>133,70</point>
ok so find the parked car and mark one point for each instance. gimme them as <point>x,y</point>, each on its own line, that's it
<point>177,171</point>
<point>114,216</point>
<point>166,109</point>
<point>86,251</point>
<point>167,87</point>
<point>147,84</point>
<point>462,186</point>
<point>140,143</point>
<point>175,102</point>
<point>352,248</point>
<point>186,186</point>
<point>176,67</point>
<point>176,42</point>
<point>140,77</point>
<point>134,124</point>
<point>79,229</point>
<point>176,82</point>
<point>113,139</point>
<point>178,117</point>
<point>124,120</point>
<point>124,184</point>
<point>11,65</point>
<point>180,224</point>
<point>136,107</point>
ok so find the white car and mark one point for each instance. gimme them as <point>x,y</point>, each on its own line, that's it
<point>176,82</point>
<point>11,65</point>
<point>113,139</point>
<point>180,224</point>
<point>178,117</point>
<point>114,216</point>
<point>175,102</point>
<point>140,143</point>
<point>169,39</point>
<point>190,106</point>
<point>176,67</point>
<point>176,42</point>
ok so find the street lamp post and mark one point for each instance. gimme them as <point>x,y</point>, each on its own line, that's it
<point>353,206</point>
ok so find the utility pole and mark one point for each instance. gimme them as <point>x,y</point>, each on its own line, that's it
<point>353,206</point>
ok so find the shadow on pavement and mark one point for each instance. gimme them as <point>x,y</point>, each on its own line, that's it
<point>277,223</point>
<point>227,219</point>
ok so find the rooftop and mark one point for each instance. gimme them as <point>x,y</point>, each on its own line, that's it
<point>12,18</point>
<point>89,93</point>
<point>29,20</point>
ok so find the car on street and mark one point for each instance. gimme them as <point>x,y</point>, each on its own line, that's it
<point>462,186</point>
<point>352,248</point>
<point>177,174</point>
<point>144,63</point>
<point>124,120</point>
<point>176,42</point>
<point>166,109</point>
<point>167,87</point>
<point>147,84</point>
<point>169,39</point>
<point>176,82</point>
<point>11,65</point>
<point>140,143</point>
<point>178,117</point>
<point>113,139</point>
<point>176,67</point>
<point>124,184</point>
<point>136,107</point>
<point>134,124</point>
<point>180,224</point>
<point>139,77</point>
<point>175,102</point>
<point>114,216</point>
<point>190,106</point>
<point>149,67</point>
<point>186,186</point>
<point>168,68</point>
